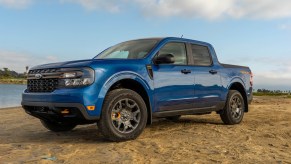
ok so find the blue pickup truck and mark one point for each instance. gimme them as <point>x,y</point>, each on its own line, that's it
<point>127,85</point>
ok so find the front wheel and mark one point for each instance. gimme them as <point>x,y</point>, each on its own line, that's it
<point>124,115</point>
<point>233,111</point>
<point>57,127</point>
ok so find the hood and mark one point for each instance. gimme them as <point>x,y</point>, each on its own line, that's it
<point>76,63</point>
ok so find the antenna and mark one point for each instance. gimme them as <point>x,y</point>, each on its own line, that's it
<point>182,36</point>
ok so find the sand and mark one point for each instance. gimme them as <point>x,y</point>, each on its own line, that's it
<point>264,136</point>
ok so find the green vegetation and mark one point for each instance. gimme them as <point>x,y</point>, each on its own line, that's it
<point>270,94</point>
<point>265,92</point>
<point>13,81</point>
<point>11,77</point>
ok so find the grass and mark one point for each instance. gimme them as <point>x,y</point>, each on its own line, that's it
<point>13,81</point>
<point>271,94</point>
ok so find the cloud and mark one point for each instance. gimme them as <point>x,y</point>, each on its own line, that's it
<point>285,26</point>
<point>185,8</point>
<point>204,9</point>
<point>216,9</point>
<point>109,5</point>
<point>265,9</point>
<point>271,67</point>
<point>271,83</point>
<point>17,4</point>
<point>17,61</point>
<point>269,72</point>
<point>210,9</point>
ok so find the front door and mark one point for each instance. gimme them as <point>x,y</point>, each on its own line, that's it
<point>173,83</point>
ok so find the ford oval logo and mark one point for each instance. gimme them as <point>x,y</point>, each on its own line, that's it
<point>38,76</point>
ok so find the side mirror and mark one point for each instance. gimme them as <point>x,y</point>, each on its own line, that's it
<point>165,59</point>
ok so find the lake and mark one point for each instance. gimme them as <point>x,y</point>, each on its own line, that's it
<point>10,95</point>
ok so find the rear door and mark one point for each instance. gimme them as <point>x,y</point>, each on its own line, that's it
<point>207,89</point>
<point>173,83</point>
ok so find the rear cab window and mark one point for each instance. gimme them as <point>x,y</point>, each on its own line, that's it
<point>201,55</point>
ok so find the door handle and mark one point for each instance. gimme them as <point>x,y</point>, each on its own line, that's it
<point>186,71</point>
<point>213,72</point>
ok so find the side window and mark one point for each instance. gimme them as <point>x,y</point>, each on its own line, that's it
<point>176,49</point>
<point>201,55</point>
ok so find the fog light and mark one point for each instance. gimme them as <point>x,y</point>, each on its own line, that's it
<point>91,107</point>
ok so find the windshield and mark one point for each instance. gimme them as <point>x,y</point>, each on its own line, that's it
<point>136,49</point>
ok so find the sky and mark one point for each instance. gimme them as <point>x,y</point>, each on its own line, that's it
<point>254,33</point>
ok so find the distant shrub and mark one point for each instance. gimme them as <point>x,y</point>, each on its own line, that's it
<point>270,94</point>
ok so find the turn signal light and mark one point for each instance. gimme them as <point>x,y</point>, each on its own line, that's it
<point>65,111</point>
<point>91,107</point>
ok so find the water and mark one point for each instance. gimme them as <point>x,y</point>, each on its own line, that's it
<point>10,95</point>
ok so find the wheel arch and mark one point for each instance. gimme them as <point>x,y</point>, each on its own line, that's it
<point>132,81</point>
<point>238,86</point>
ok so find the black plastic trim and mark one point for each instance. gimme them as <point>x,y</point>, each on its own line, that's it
<point>192,111</point>
<point>50,105</point>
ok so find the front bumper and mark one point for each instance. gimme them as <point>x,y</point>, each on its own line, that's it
<point>53,112</point>
<point>77,98</point>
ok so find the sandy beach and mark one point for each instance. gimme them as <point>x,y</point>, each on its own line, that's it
<point>264,136</point>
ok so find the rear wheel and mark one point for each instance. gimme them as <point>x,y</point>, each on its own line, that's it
<point>57,127</point>
<point>233,111</point>
<point>124,115</point>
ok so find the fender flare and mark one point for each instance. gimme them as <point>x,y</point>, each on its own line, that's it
<point>121,76</point>
<point>240,81</point>
<point>236,80</point>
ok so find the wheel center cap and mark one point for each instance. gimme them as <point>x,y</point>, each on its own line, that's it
<point>237,110</point>
<point>125,115</point>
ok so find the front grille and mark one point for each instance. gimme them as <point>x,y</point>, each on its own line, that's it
<point>42,85</point>
<point>43,80</point>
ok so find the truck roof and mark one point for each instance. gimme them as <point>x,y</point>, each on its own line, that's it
<point>176,39</point>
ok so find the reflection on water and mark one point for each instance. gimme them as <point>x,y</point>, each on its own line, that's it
<point>10,95</point>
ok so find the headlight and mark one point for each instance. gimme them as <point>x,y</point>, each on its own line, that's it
<point>76,77</point>
<point>69,75</point>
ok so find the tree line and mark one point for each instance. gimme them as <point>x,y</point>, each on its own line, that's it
<point>272,91</point>
<point>6,73</point>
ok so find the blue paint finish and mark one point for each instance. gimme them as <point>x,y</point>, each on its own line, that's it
<point>208,88</point>
<point>172,89</point>
<point>169,89</point>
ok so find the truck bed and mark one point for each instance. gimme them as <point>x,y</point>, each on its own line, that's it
<point>233,66</point>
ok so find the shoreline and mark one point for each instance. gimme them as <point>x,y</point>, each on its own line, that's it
<point>9,108</point>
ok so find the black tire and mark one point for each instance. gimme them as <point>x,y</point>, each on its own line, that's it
<point>120,120</point>
<point>57,127</point>
<point>234,109</point>
<point>173,118</point>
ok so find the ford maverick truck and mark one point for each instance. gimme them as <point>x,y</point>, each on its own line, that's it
<point>127,85</point>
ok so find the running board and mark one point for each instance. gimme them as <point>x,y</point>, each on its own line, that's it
<point>185,112</point>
